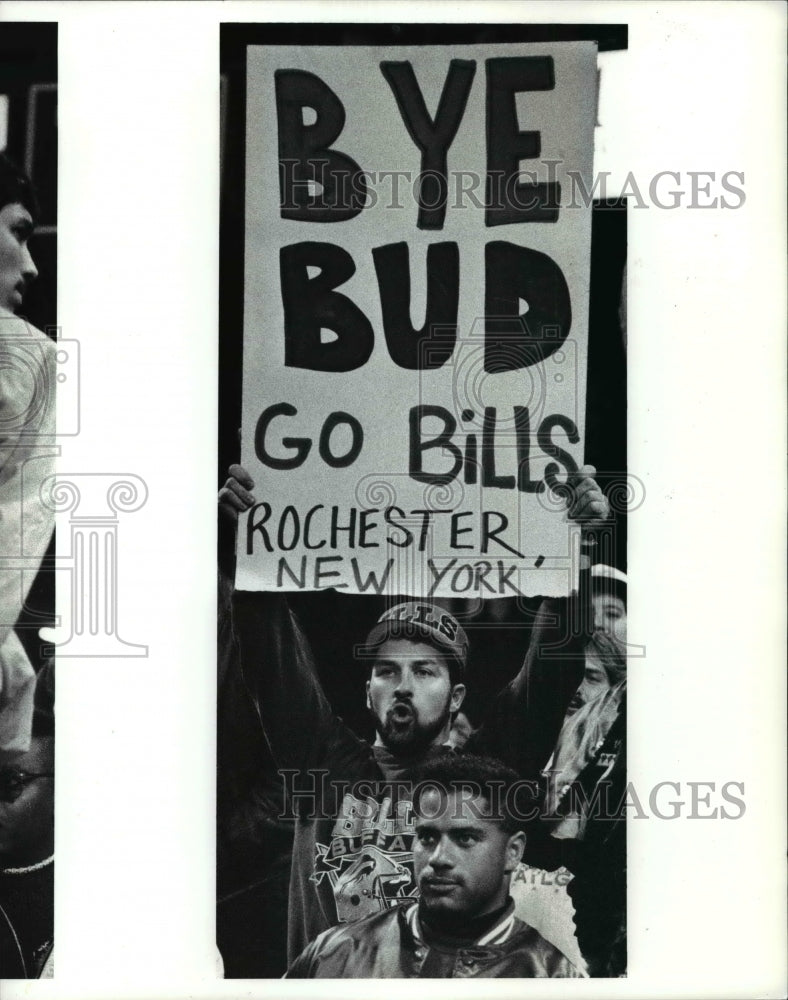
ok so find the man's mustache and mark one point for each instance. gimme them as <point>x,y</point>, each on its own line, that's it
<point>401,703</point>
<point>440,880</point>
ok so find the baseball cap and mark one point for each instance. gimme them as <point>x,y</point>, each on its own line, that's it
<point>417,620</point>
<point>609,579</point>
<point>602,572</point>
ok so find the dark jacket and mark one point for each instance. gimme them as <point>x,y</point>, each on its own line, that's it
<point>394,945</point>
<point>26,921</point>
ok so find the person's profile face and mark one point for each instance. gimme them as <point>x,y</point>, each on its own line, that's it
<point>462,860</point>
<point>27,822</point>
<point>17,269</point>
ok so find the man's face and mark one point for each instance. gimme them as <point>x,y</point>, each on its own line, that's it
<point>27,825</point>
<point>17,269</point>
<point>462,860</point>
<point>411,695</point>
<point>610,615</point>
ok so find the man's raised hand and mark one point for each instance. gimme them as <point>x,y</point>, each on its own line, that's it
<point>588,505</point>
<point>235,496</point>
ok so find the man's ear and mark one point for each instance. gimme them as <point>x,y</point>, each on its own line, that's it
<point>514,851</point>
<point>457,697</point>
<point>369,703</point>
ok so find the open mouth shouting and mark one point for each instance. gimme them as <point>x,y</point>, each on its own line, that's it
<point>402,713</point>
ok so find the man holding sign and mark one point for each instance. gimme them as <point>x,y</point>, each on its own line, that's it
<point>352,854</point>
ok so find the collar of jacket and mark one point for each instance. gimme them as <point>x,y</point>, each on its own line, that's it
<point>496,936</point>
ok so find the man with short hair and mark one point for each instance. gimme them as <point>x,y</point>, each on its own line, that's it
<point>468,842</point>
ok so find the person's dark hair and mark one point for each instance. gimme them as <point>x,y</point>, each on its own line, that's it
<point>16,187</point>
<point>475,775</point>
